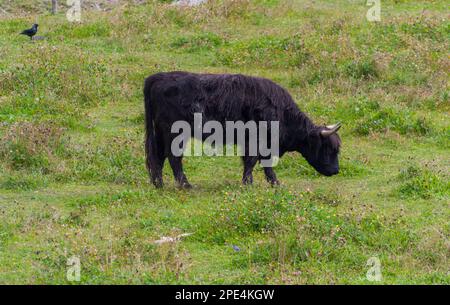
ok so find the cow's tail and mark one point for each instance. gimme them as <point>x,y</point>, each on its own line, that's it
<point>150,138</point>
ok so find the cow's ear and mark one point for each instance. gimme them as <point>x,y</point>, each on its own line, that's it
<point>314,133</point>
<point>171,91</point>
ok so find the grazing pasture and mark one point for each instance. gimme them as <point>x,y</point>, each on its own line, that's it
<point>73,180</point>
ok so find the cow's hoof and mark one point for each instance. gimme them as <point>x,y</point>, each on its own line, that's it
<point>247,181</point>
<point>185,185</point>
<point>158,184</point>
<point>275,183</point>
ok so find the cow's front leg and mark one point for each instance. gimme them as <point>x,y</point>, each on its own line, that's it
<point>249,164</point>
<point>271,177</point>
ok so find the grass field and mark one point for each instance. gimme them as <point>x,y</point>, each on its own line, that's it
<point>72,174</point>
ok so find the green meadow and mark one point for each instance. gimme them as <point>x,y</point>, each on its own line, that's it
<point>73,180</point>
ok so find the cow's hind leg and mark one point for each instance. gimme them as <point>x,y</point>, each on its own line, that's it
<point>271,177</point>
<point>161,157</point>
<point>249,164</point>
<point>177,165</point>
<point>155,159</point>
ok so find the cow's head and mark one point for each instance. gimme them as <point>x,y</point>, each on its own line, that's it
<point>321,149</point>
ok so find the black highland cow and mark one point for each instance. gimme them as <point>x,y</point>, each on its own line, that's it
<point>174,96</point>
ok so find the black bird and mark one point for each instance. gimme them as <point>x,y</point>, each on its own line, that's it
<point>31,32</point>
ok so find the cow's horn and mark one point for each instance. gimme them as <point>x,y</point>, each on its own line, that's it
<point>331,129</point>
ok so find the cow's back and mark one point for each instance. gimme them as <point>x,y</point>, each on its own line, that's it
<point>177,95</point>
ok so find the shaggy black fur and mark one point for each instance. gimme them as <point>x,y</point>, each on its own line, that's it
<point>174,96</point>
